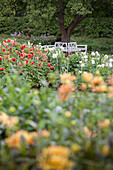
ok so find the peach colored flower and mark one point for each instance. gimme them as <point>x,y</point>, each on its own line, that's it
<point>14,141</point>
<point>87,77</point>
<point>65,90</point>
<point>105,123</point>
<point>88,132</point>
<point>66,78</point>
<point>8,121</point>
<point>83,86</point>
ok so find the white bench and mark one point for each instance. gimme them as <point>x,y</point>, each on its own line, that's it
<point>72,47</point>
<point>63,45</point>
<point>68,47</point>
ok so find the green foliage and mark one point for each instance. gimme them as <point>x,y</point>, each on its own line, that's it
<point>102,8</point>
<point>96,27</point>
<point>10,25</point>
<point>83,122</point>
<point>103,45</point>
<point>86,111</point>
<point>43,16</point>
<point>10,8</point>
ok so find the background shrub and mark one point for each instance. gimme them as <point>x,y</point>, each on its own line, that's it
<point>10,25</point>
<point>95,27</point>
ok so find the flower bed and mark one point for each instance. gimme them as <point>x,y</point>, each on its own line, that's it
<point>66,121</point>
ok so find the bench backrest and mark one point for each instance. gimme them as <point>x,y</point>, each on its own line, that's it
<point>64,45</point>
<point>68,47</point>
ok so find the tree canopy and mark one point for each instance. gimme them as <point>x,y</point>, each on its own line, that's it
<point>62,16</point>
<point>65,14</point>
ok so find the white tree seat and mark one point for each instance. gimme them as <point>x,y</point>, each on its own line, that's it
<point>67,47</point>
<point>62,45</point>
<point>72,46</point>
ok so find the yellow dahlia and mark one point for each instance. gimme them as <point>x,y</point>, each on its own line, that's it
<point>14,141</point>
<point>55,157</point>
<point>8,121</point>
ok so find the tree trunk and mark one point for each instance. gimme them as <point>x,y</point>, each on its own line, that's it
<point>61,21</point>
<point>65,35</point>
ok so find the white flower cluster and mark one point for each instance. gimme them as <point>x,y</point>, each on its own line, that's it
<point>95,53</point>
<point>96,59</point>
